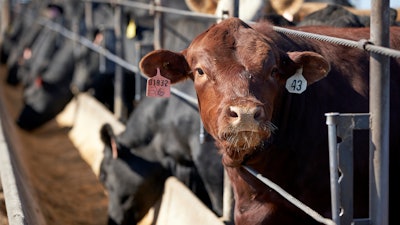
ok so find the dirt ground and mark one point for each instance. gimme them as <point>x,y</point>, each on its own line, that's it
<point>68,192</point>
<point>3,212</point>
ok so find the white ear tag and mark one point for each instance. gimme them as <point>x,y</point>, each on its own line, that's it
<point>296,83</point>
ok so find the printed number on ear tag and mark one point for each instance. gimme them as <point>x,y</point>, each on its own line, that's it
<point>296,83</point>
<point>158,86</point>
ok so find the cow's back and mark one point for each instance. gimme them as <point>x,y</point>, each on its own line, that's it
<point>347,89</point>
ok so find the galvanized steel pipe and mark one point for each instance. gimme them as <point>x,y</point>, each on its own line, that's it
<point>331,121</point>
<point>379,111</point>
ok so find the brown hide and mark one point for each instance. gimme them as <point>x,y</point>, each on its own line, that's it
<point>240,73</point>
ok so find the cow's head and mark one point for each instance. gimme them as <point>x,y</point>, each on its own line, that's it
<point>133,184</point>
<point>238,74</point>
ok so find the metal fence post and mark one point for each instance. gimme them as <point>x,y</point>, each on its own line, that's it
<point>5,20</point>
<point>234,8</point>
<point>158,26</point>
<point>119,107</point>
<point>379,108</point>
<point>331,121</point>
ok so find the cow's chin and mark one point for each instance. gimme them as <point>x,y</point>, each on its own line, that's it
<point>236,147</point>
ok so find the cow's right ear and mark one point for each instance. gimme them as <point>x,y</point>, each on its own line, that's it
<point>172,65</point>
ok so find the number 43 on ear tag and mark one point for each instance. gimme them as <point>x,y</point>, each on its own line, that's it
<point>296,83</point>
<point>158,86</point>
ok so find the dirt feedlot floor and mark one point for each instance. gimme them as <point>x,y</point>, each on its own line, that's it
<point>68,191</point>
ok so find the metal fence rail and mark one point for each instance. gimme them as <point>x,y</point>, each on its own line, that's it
<point>360,44</point>
<point>341,159</point>
<point>15,213</point>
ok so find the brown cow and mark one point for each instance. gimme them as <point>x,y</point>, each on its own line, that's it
<point>239,74</point>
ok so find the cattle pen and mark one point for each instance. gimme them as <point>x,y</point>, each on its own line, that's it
<point>24,211</point>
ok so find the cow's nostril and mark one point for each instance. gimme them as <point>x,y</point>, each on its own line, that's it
<point>259,113</point>
<point>233,114</point>
<point>234,111</point>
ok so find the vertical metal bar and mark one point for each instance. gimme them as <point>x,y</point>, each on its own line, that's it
<point>202,134</point>
<point>331,121</point>
<point>5,20</point>
<point>138,77</point>
<point>234,8</point>
<point>379,109</point>
<point>89,19</point>
<point>227,209</point>
<point>158,26</point>
<point>118,85</point>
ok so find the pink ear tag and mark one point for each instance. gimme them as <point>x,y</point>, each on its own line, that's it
<point>158,86</point>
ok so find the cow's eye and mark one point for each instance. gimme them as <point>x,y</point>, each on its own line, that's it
<point>199,71</point>
<point>274,72</point>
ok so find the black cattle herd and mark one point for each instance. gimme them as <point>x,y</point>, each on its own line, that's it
<point>162,135</point>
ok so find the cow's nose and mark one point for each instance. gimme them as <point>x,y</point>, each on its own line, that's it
<point>241,114</point>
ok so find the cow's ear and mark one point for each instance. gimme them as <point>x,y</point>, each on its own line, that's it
<point>172,65</point>
<point>106,133</point>
<point>315,67</point>
<point>108,137</point>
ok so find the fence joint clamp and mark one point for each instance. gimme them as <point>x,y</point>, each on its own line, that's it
<point>362,44</point>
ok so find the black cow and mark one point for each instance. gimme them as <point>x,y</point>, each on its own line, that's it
<point>332,15</point>
<point>339,2</point>
<point>95,73</point>
<point>162,138</point>
<point>46,74</point>
<point>134,183</point>
<point>57,70</point>
<point>49,93</point>
<point>32,45</point>
<point>17,29</point>
<point>338,16</point>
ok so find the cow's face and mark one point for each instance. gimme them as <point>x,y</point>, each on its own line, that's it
<point>238,74</point>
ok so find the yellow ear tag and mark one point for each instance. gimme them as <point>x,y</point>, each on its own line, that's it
<point>158,86</point>
<point>296,83</point>
<point>131,29</point>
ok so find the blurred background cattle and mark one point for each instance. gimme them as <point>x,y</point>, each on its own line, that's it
<point>51,69</point>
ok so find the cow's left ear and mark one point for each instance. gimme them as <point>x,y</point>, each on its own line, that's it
<point>108,137</point>
<point>172,65</point>
<point>315,66</point>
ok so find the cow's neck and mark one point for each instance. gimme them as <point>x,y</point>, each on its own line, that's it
<point>266,161</point>
<point>252,197</point>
